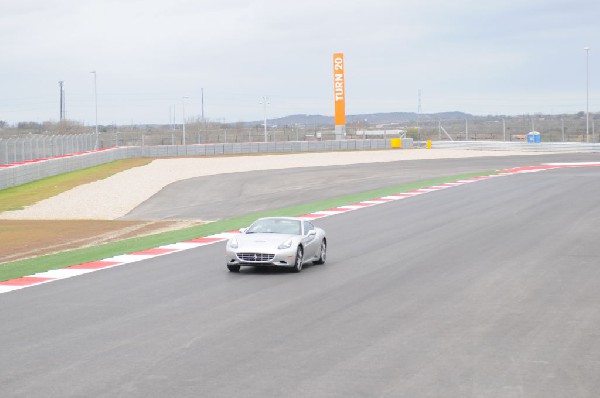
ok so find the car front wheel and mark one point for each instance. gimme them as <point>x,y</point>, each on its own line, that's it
<point>299,256</point>
<point>323,255</point>
<point>233,268</point>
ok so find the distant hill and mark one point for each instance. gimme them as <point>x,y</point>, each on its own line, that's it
<point>371,118</point>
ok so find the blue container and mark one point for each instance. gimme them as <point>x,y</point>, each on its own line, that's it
<point>534,137</point>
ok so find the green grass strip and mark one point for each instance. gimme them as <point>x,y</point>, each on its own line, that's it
<point>31,266</point>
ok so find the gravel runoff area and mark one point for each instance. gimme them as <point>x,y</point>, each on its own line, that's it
<point>117,195</point>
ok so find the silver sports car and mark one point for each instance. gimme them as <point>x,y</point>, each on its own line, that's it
<point>277,241</point>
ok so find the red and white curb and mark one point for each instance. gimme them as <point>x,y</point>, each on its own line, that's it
<point>85,268</point>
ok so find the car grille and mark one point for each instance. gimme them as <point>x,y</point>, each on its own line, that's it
<point>256,257</point>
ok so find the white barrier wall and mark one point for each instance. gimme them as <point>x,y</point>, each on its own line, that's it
<point>518,146</point>
<point>13,176</point>
<point>19,174</point>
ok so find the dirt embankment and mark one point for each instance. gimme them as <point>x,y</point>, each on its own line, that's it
<point>23,239</point>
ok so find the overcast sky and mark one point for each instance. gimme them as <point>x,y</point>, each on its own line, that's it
<point>481,57</point>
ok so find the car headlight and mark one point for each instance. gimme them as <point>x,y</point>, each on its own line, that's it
<point>233,243</point>
<point>285,245</point>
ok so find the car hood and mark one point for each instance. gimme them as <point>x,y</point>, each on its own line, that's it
<point>262,241</point>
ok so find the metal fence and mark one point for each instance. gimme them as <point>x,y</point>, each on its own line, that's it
<point>20,149</point>
<point>18,145</point>
<point>552,129</point>
<point>154,137</point>
<point>41,146</point>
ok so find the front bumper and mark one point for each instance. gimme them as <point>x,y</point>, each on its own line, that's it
<point>278,258</point>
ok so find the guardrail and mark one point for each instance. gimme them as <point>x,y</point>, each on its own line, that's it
<point>517,146</point>
<point>19,173</point>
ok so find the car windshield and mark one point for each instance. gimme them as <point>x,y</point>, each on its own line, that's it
<point>275,226</point>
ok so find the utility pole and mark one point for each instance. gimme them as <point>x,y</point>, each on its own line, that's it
<point>419,116</point>
<point>183,116</point>
<point>203,122</point>
<point>96,101</point>
<point>264,102</point>
<point>171,126</point>
<point>174,126</point>
<point>587,95</point>
<point>62,100</point>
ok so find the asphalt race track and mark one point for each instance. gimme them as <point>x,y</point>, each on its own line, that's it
<point>489,289</point>
<point>229,195</point>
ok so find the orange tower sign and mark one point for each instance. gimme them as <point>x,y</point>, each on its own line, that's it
<point>339,92</point>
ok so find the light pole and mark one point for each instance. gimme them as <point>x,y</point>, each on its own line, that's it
<point>587,95</point>
<point>62,100</point>
<point>264,101</point>
<point>203,122</point>
<point>96,101</point>
<point>183,114</point>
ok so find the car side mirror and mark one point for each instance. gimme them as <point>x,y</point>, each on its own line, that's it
<point>312,232</point>
<point>243,230</point>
